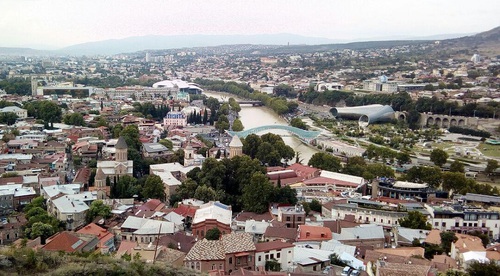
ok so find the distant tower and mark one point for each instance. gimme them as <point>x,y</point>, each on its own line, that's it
<point>188,154</point>
<point>148,57</point>
<point>121,150</point>
<point>235,147</point>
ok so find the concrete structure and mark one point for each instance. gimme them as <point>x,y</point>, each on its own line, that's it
<point>369,235</point>
<point>445,121</point>
<point>366,114</point>
<point>171,174</point>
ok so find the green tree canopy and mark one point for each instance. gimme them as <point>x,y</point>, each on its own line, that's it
<point>298,123</point>
<point>154,188</point>
<point>237,125</point>
<point>483,269</point>
<point>257,194</point>
<point>97,209</point>
<point>439,157</point>
<point>213,234</point>
<point>42,230</point>
<point>325,161</point>
<point>75,119</point>
<point>457,166</point>
<point>415,220</point>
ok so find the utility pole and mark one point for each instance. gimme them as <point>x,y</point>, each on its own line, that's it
<point>157,241</point>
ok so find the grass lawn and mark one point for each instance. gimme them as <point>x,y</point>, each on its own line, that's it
<point>489,150</point>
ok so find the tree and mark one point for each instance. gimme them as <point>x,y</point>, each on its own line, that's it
<point>457,166</point>
<point>336,260</point>
<point>237,125</point>
<point>205,193</point>
<point>75,119</point>
<point>154,188</point>
<point>213,234</point>
<point>415,220</point>
<point>447,238</point>
<point>8,118</point>
<point>491,166</point>
<point>49,112</point>
<point>298,123</point>
<point>439,157</point>
<point>251,145</point>
<point>455,181</point>
<point>97,209</point>
<point>325,161</point>
<point>490,268</point>
<point>222,123</point>
<point>257,194</point>
<point>315,205</point>
<point>42,230</point>
<point>424,174</point>
<point>167,143</point>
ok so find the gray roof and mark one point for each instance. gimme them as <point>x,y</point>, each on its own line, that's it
<point>121,144</point>
<point>154,147</point>
<point>360,232</point>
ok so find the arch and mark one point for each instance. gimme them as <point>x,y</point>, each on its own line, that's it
<point>453,122</point>
<point>437,122</point>
<point>446,123</point>
<point>461,122</point>
<point>402,117</point>
<point>430,121</point>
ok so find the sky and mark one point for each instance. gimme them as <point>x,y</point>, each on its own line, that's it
<point>60,23</point>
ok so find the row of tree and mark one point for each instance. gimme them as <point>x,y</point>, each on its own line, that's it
<point>240,182</point>
<point>280,105</point>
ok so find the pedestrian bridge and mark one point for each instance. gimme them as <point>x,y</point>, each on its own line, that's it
<point>305,135</point>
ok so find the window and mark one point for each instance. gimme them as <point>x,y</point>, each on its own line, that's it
<point>299,218</point>
<point>278,255</point>
<point>214,266</point>
<point>260,258</point>
<point>287,218</point>
<point>220,266</point>
<point>443,224</point>
<point>230,260</point>
<point>272,256</point>
<point>198,266</point>
<point>237,260</point>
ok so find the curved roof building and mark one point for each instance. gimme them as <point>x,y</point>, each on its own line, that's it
<point>366,114</point>
<point>183,86</point>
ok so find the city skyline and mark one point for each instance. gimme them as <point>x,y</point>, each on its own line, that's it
<point>56,24</point>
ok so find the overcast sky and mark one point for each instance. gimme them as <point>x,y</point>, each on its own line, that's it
<point>62,23</point>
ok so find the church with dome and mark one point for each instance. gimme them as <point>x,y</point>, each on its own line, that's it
<point>112,169</point>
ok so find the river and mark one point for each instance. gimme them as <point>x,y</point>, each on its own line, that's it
<point>253,116</point>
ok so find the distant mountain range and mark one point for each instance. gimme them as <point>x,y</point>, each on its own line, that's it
<point>142,43</point>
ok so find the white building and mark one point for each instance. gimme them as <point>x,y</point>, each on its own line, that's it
<point>175,119</point>
<point>21,113</point>
<point>282,252</point>
<point>143,230</point>
<point>71,209</point>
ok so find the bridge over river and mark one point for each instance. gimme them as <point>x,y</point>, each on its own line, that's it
<point>304,135</point>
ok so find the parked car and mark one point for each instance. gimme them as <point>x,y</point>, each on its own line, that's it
<point>346,271</point>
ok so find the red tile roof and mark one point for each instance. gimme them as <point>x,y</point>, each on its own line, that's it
<point>313,233</point>
<point>102,234</point>
<point>65,241</point>
<point>272,245</point>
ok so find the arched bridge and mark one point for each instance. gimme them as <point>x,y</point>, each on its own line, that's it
<point>305,135</point>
